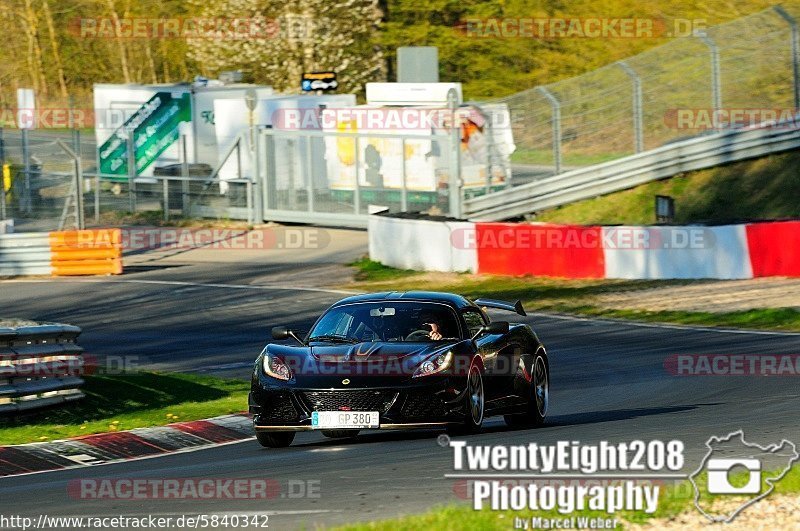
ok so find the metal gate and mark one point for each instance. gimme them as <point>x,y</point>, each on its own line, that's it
<point>335,177</point>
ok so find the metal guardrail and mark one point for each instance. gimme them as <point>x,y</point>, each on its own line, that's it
<point>39,366</point>
<point>666,161</point>
<point>25,253</point>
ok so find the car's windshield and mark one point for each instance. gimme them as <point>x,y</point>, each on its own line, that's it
<point>387,321</point>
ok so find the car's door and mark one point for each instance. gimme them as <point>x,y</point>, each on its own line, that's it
<point>487,345</point>
<point>501,358</point>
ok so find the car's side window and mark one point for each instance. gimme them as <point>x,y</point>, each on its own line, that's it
<point>474,321</point>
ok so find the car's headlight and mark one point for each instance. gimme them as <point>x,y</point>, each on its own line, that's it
<point>276,367</point>
<point>434,365</point>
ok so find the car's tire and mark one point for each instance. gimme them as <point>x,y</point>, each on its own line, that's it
<point>339,434</point>
<point>536,409</point>
<point>275,439</point>
<point>474,402</point>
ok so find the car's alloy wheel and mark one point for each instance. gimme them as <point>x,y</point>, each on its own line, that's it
<point>475,402</point>
<point>277,439</point>
<point>476,395</point>
<point>539,400</point>
<point>541,389</point>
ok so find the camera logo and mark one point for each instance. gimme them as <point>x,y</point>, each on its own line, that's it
<point>721,470</point>
<point>735,474</point>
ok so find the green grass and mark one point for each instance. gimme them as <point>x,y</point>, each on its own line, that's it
<point>369,270</point>
<point>577,297</point>
<point>764,188</point>
<point>129,401</point>
<point>545,157</point>
<point>673,501</point>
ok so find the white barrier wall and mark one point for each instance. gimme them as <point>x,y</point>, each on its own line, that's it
<point>418,244</point>
<point>627,252</point>
<point>680,252</point>
<point>6,226</point>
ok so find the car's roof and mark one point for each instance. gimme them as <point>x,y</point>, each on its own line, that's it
<point>452,299</point>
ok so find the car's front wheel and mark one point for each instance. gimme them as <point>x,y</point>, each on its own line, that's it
<point>277,439</point>
<point>474,402</point>
<point>536,409</point>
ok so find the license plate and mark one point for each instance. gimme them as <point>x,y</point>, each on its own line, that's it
<point>324,420</point>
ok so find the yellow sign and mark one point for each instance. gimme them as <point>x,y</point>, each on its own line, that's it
<point>6,178</point>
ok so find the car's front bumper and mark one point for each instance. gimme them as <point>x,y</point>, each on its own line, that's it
<point>430,403</point>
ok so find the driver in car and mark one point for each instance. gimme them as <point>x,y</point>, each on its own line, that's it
<point>428,319</point>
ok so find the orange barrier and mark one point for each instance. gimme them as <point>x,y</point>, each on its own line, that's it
<point>86,252</point>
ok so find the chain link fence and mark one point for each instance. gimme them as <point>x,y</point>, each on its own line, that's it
<point>639,103</point>
<point>624,108</point>
<point>60,183</point>
<point>39,177</point>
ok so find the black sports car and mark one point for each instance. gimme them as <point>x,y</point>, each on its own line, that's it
<point>399,361</point>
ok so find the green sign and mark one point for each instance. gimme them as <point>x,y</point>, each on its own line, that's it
<point>155,128</point>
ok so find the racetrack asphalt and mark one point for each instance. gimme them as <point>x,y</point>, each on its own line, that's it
<point>609,382</point>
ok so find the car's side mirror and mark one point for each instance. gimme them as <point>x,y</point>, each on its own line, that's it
<point>280,332</point>
<point>495,327</point>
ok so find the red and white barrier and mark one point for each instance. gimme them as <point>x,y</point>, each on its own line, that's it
<point>574,251</point>
<point>722,253</point>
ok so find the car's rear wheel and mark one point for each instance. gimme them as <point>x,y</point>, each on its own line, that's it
<point>539,400</point>
<point>277,439</point>
<point>339,434</point>
<point>474,402</point>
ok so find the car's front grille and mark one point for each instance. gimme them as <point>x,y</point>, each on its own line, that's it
<point>355,400</point>
<point>423,405</point>
<point>279,408</point>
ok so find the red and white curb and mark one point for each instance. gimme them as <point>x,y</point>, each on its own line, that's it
<point>139,443</point>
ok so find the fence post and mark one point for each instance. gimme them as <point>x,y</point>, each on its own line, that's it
<point>184,177</point>
<point>79,190</point>
<point>26,205</point>
<point>357,190</point>
<point>716,84</point>
<point>2,176</point>
<point>404,190</point>
<point>795,37</point>
<point>258,203</point>
<point>131,172</point>
<point>455,162</point>
<point>638,130</point>
<point>270,192</point>
<point>97,195</point>
<point>556,123</point>
<point>165,194</point>
<point>310,175</point>
<point>249,199</point>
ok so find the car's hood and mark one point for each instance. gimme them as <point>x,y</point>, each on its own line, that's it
<point>365,364</point>
<point>375,351</point>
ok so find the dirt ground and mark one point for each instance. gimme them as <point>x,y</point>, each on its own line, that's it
<point>710,296</point>
<point>774,512</point>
